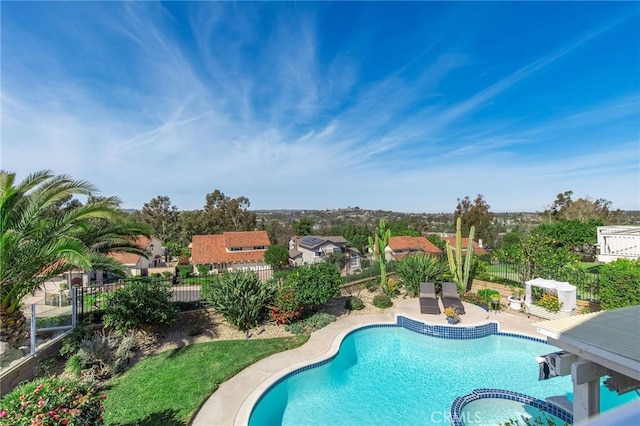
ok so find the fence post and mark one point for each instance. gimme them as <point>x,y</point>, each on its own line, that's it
<point>74,307</point>
<point>33,329</point>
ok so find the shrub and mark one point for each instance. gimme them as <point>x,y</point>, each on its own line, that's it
<point>382,301</point>
<point>420,268</point>
<point>620,284</point>
<point>354,303</point>
<point>319,320</point>
<point>71,343</point>
<point>315,284</point>
<point>286,307</point>
<point>372,286</point>
<point>103,355</point>
<point>166,274</point>
<point>485,294</point>
<point>295,328</point>
<point>52,401</point>
<point>549,302</point>
<point>139,305</point>
<point>203,270</point>
<point>74,366</point>
<point>472,298</point>
<point>240,297</point>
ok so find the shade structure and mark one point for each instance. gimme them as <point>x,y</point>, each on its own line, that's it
<point>566,292</point>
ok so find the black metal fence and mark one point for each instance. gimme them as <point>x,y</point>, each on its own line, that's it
<point>187,291</point>
<point>587,283</point>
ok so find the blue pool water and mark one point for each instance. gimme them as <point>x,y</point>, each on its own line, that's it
<point>393,376</point>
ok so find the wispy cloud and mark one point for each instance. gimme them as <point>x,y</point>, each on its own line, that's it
<point>254,100</point>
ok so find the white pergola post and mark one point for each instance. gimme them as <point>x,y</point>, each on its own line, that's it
<point>585,376</point>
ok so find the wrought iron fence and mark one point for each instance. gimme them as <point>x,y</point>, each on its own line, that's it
<point>587,283</point>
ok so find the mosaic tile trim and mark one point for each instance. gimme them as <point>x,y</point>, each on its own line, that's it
<point>457,419</point>
<point>458,332</point>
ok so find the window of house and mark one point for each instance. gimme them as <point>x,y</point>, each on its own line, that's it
<point>258,247</point>
<point>235,248</point>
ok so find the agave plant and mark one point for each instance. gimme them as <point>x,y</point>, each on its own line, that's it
<point>38,241</point>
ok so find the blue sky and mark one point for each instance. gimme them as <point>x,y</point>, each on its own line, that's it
<point>395,106</point>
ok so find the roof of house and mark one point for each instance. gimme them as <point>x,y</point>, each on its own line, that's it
<point>465,241</point>
<point>405,242</point>
<point>132,258</point>
<point>609,338</point>
<point>311,241</point>
<point>214,248</point>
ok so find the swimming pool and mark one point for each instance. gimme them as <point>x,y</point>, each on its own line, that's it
<point>390,375</point>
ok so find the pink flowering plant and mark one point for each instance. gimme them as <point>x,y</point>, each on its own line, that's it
<point>52,401</point>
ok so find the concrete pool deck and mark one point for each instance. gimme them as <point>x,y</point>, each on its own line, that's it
<point>231,404</point>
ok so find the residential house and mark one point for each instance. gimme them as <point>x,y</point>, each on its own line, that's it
<point>477,246</point>
<point>312,249</point>
<point>231,251</point>
<point>618,242</point>
<point>137,265</point>
<point>403,246</point>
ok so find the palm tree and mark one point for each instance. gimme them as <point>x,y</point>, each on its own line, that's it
<point>37,244</point>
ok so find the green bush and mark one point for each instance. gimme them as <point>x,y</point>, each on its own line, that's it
<point>295,328</point>
<point>71,343</point>
<point>420,268</point>
<point>472,298</point>
<point>286,306</point>
<point>315,284</point>
<point>485,294</point>
<point>354,303</point>
<point>52,401</point>
<point>319,320</point>
<point>138,305</point>
<point>166,274</point>
<point>240,297</point>
<point>620,284</point>
<point>382,301</point>
<point>372,285</point>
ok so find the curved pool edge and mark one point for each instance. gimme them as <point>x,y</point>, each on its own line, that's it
<point>459,403</point>
<point>363,321</point>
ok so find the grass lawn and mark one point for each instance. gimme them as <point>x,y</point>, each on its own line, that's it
<point>167,389</point>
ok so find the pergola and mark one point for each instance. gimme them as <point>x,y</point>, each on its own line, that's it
<point>605,343</point>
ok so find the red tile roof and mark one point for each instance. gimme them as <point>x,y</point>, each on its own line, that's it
<point>465,241</point>
<point>131,258</point>
<point>406,243</point>
<point>214,248</point>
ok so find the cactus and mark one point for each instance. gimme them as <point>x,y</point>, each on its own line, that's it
<point>378,246</point>
<point>460,271</point>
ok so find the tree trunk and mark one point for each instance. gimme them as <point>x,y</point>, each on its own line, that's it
<point>13,328</point>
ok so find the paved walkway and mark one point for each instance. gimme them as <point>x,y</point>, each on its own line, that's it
<point>231,404</point>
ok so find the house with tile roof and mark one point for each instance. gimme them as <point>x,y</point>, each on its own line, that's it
<point>477,246</point>
<point>230,251</point>
<point>402,246</point>
<point>312,249</point>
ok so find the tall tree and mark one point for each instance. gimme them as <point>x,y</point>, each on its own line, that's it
<point>583,209</point>
<point>276,256</point>
<point>37,246</point>
<point>162,217</point>
<point>302,227</point>
<point>476,213</point>
<point>223,213</point>
<point>278,233</point>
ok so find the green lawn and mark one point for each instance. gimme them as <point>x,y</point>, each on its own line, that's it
<point>167,389</point>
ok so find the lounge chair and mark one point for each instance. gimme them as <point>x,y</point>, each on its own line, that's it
<point>450,297</point>
<point>428,299</point>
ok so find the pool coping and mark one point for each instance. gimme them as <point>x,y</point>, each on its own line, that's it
<point>457,419</point>
<point>233,401</point>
